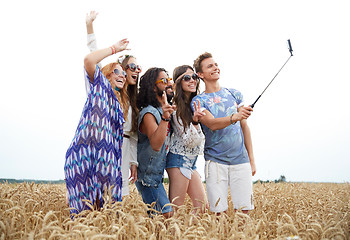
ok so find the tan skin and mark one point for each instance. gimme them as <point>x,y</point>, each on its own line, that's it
<point>180,185</point>
<point>210,73</point>
<point>157,133</point>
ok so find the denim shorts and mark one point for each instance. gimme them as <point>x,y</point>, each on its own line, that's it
<point>187,164</point>
<point>154,194</point>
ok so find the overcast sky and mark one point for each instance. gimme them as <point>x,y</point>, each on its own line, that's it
<point>300,126</point>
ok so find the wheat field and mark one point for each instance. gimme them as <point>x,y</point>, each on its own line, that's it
<point>282,211</point>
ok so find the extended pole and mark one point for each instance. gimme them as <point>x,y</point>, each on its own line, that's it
<point>291,54</point>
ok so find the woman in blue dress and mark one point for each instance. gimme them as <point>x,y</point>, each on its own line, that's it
<point>93,159</point>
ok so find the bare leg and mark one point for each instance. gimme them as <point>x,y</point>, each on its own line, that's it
<point>197,193</point>
<point>178,185</point>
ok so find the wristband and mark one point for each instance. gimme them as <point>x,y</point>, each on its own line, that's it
<point>195,123</point>
<point>167,120</point>
<point>233,123</point>
<point>114,51</point>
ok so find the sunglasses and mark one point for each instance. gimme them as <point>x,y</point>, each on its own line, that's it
<point>118,73</point>
<point>164,80</point>
<point>133,67</point>
<point>187,77</point>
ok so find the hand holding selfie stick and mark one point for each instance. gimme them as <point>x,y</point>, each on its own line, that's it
<point>291,54</point>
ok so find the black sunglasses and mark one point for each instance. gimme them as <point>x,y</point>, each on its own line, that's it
<point>133,67</point>
<point>117,72</point>
<point>187,77</point>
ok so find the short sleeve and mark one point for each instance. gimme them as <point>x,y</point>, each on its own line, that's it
<point>238,97</point>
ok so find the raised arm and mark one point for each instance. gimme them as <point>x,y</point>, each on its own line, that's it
<point>91,38</point>
<point>90,18</point>
<point>219,123</point>
<point>95,57</point>
<point>157,133</point>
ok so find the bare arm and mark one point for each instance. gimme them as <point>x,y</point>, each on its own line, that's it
<point>157,133</point>
<point>95,57</point>
<point>90,18</point>
<point>248,144</point>
<point>219,123</point>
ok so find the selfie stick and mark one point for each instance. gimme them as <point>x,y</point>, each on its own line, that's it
<point>291,54</point>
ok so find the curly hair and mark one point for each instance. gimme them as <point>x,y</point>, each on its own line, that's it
<point>132,93</point>
<point>147,95</point>
<point>121,95</point>
<point>199,60</point>
<point>183,101</point>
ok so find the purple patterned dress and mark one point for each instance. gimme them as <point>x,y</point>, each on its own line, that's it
<point>93,160</point>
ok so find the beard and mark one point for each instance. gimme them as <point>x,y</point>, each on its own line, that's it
<point>168,96</point>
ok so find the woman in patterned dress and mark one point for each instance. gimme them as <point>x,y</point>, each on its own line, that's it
<point>130,111</point>
<point>187,142</point>
<point>93,159</point>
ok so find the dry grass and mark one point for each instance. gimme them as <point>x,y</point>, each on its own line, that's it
<point>282,210</point>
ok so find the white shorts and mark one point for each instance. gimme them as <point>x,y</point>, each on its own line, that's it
<point>219,177</point>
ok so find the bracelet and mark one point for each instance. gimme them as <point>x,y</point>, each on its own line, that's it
<point>195,123</point>
<point>233,123</point>
<point>167,120</point>
<point>114,51</point>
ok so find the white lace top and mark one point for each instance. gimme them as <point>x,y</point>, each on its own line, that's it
<point>189,142</point>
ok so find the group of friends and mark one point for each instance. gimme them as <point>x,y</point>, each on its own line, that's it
<point>134,127</point>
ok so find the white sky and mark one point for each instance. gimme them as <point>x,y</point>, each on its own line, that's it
<point>300,126</point>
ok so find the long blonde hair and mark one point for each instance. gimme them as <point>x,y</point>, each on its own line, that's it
<point>121,95</point>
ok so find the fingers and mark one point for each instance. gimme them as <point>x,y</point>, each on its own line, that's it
<point>133,174</point>
<point>165,100</point>
<point>199,104</point>
<point>245,112</point>
<point>195,107</point>
<point>253,172</point>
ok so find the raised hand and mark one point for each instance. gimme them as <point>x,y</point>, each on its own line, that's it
<point>121,45</point>
<point>90,17</point>
<point>167,108</point>
<point>198,113</point>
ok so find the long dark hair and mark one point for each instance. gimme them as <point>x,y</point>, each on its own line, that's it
<point>182,101</point>
<point>132,94</point>
<point>147,95</point>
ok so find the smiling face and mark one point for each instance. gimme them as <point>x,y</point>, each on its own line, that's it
<point>118,79</point>
<point>210,70</point>
<point>191,85</point>
<point>164,83</point>
<point>132,76</point>
<point>161,85</point>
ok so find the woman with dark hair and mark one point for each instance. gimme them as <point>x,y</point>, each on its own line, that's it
<point>94,157</point>
<point>130,111</point>
<point>187,142</point>
<point>153,138</point>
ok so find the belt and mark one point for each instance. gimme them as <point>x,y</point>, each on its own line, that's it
<point>126,136</point>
